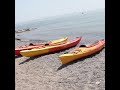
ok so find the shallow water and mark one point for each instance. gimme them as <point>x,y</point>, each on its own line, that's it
<point>90,25</point>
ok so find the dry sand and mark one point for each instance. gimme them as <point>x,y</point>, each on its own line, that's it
<point>46,72</point>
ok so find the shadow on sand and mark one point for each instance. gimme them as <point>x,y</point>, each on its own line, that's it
<point>31,58</point>
<point>78,60</point>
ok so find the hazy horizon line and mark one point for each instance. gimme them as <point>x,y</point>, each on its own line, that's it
<point>54,16</point>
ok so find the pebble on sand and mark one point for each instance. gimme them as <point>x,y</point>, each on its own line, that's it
<point>97,82</point>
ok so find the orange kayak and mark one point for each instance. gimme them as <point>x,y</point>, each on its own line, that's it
<point>82,51</point>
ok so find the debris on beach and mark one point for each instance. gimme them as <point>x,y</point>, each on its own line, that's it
<point>97,82</point>
<point>23,30</point>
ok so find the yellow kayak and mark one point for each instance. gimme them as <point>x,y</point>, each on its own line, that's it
<point>82,51</point>
<point>59,40</point>
<point>47,48</point>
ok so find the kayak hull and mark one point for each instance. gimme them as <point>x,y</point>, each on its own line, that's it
<point>82,52</point>
<point>49,49</point>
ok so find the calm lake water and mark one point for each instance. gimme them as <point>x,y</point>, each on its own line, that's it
<point>90,25</point>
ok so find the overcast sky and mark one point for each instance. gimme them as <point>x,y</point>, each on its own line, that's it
<point>26,10</point>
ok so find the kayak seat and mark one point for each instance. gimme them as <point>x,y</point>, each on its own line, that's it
<point>82,46</point>
<point>46,44</point>
<point>31,44</point>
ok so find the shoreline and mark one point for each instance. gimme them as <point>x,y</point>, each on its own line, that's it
<point>47,73</point>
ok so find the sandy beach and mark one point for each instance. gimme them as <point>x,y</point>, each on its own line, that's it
<point>46,72</point>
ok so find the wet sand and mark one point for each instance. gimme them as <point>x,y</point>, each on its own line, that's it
<point>46,72</point>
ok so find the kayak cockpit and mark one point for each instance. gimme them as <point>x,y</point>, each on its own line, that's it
<point>82,46</point>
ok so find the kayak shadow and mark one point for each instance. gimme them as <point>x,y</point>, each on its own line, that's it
<point>31,58</point>
<point>78,60</point>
